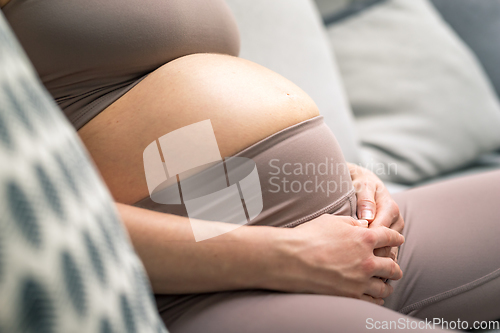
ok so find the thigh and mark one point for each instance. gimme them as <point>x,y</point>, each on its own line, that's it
<point>261,311</point>
<point>450,259</point>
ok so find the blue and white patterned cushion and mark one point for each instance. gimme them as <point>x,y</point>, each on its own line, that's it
<point>66,263</point>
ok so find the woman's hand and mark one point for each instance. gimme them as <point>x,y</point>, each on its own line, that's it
<point>333,255</point>
<point>329,255</point>
<point>375,205</point>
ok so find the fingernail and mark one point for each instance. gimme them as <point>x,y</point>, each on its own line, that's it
<point>402,238</point>
<point>367,214</point>
<point>364,223</point>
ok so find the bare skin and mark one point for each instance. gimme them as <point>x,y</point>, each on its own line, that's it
<point>245,103</point>
<point>375,205</point>
<point>311,258</point>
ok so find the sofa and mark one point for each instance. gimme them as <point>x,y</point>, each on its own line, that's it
<point>354,58</point>
<point>49,187</point>
<point>66,261</point>
<point>332,50</point>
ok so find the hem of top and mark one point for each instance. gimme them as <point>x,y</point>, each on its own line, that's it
<point>279,136</point>
<point>101,102</point>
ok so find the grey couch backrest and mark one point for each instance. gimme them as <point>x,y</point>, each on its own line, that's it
<point>288,37</point>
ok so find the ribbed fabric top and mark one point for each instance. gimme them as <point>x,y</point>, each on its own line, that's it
<point>89,53</point>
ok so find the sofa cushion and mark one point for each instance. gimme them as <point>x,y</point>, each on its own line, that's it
<point>422,103</point>
<point>288,37</point>
<point>335,10</point>
<point>478,24</point>
<point>66,263</point>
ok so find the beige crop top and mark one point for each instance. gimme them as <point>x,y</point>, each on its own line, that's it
<point>89,53</point>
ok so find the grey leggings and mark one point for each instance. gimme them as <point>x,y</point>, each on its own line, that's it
<point>451,266</point>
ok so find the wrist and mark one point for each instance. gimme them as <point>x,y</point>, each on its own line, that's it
<point>265,253</point>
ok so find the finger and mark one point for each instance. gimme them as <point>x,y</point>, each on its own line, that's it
<point>362,223</point>
<point>398,225</point>
<point>386,237</point>
<point>384,252</point>
<point>394,254</point>
<point>352,221</point>
<point>378,289</point>
<point>366,208</point>
<point>386,268</point>
<point>370,299</point>
<point>387,210</point>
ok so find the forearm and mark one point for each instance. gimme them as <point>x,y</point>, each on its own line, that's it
<point>241,259</point>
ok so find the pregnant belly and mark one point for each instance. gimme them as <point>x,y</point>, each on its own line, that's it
<point>245,103</point>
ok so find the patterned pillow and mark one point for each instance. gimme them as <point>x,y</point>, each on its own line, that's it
<point>66,264</point>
